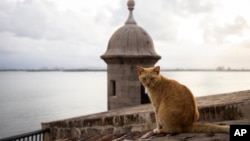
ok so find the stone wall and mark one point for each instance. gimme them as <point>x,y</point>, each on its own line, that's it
<point>215,108</point>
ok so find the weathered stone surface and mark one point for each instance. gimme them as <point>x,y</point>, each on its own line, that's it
<point>231,108</point>
<point>149,136</point>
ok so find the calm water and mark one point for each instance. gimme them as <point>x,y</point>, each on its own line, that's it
<point>29,98</point>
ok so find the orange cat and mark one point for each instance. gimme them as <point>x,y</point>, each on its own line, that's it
<point>174,104</point>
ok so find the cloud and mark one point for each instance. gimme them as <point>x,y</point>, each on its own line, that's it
<point>189,8</point>
<point>25,18</point>
<point>39,34</point>
<point>68,33</point>
<point>43,20</point>
<point>221,33</point>
<point>245,43</point>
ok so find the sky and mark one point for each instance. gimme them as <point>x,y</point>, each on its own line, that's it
<point>75,33</point>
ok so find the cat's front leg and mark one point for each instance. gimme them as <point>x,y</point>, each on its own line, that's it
<point>158,126</point>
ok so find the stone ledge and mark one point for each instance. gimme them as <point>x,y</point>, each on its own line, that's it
<point>149,136</point>
<point>216,108</point>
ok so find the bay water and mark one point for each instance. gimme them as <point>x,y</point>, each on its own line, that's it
<point>29,98</point>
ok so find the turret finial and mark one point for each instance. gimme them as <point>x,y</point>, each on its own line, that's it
<point>130,19</point>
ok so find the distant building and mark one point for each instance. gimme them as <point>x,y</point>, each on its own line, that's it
<point>220,68</point>
<point>128,47</point>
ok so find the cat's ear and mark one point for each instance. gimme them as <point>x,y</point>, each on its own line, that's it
<point>157,69</point>
<point>139,69</point>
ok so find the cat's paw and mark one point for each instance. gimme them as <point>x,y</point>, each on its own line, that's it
<point>156,131</point>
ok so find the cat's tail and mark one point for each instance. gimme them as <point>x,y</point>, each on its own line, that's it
<point>207,128</point>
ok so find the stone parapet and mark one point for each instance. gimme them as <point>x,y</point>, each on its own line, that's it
<point>215,108</point>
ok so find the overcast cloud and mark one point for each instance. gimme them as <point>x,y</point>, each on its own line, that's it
<point>73,34</point>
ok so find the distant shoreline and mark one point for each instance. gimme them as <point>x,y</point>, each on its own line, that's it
<point>103,70</point>
<point>53,70</point>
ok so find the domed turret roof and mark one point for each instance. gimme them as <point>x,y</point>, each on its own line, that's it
<point>130,41</point>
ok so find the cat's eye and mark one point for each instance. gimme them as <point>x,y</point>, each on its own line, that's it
<point>152,78</point>
<point>144,79</point>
